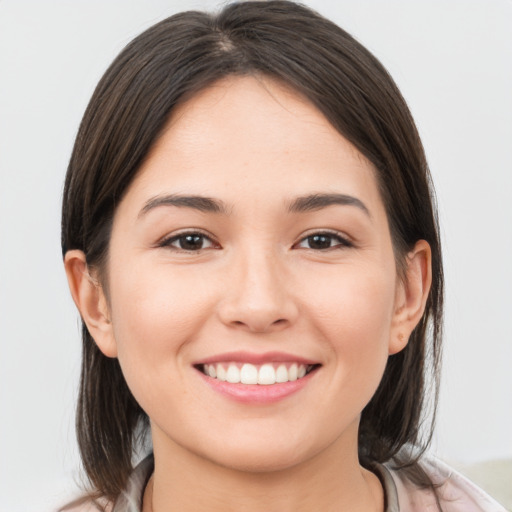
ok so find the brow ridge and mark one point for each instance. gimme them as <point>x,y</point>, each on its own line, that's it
<point>196,202</point>
<point>310,202</point>
<point>318,201</point>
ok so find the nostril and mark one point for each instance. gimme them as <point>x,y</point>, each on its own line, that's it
<point>259,325</point>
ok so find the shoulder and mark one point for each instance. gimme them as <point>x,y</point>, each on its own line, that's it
<point>87,504</point>
<point>129,500</point>
<point>453,491</point>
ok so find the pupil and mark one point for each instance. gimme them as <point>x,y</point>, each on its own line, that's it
<point>191,242</point>
<point>319,241</point>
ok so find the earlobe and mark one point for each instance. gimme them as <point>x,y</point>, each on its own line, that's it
<point>411,296</point>
<point>90,300</point>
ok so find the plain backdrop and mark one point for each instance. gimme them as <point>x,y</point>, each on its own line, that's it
<point>453,62</point>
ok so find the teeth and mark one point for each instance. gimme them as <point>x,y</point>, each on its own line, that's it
<point>281,373</point>
<point>221,373</point>
<point>265,375</point>
<point>292,372</point>
<point>233,374</point>
<point>249,374</point>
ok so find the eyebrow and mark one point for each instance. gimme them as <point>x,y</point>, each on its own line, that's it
<point>300,204</point>
<point>201,203</point>
<point>318,201</point>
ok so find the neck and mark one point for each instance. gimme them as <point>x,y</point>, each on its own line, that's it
<point>330,481</point>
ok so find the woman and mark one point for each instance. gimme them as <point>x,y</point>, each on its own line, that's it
<point>249,235</point>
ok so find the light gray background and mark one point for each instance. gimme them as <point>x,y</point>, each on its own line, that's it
<point>453,62</point>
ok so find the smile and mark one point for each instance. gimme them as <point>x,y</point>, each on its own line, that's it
<point>251,378</point>
<point>263,374</point>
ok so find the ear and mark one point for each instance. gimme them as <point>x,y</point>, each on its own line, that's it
<point>411,295</point>
<point>91,301</point>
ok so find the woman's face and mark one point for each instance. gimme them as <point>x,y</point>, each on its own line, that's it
<point>253,244</point>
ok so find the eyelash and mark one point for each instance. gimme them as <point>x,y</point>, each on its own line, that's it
<point>167,242</point>
<point>342,242</point>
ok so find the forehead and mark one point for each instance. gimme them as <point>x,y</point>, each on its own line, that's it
<point>247,136</point>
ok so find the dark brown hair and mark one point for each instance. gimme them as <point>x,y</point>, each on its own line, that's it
<point>130,107</point>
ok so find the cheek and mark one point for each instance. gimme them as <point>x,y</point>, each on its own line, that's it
<point>156,312</point>
<point>352,312</point>
<point>358,300</point>
<point>157,315</point>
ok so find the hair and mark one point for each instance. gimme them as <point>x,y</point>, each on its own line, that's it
<point>163,67</point>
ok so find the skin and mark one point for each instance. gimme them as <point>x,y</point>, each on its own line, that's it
<point>256,285</point>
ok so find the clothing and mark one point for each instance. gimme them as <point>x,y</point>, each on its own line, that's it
<point>454,491</point>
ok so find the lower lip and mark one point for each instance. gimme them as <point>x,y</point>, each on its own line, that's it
<point>257,393</point>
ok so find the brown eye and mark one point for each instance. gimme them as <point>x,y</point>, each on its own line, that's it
<point>319,241</point>
<point>189,242</point>
<point>323,241</point>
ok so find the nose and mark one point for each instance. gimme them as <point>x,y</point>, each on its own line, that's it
<point>258,294</point>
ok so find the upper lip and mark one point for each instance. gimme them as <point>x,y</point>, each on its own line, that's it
<point>253,358</point>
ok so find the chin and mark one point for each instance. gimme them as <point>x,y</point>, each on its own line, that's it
<point>258,461</point>
<point>259,453</point>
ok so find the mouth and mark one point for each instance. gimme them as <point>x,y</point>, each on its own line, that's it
<point>256,379</point>
<point>265,374</point>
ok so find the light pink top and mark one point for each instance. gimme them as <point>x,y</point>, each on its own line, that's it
<point>454,491</point>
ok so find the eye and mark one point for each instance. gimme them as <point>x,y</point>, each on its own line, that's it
<point>191,242</point>
<point>323,241</point>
